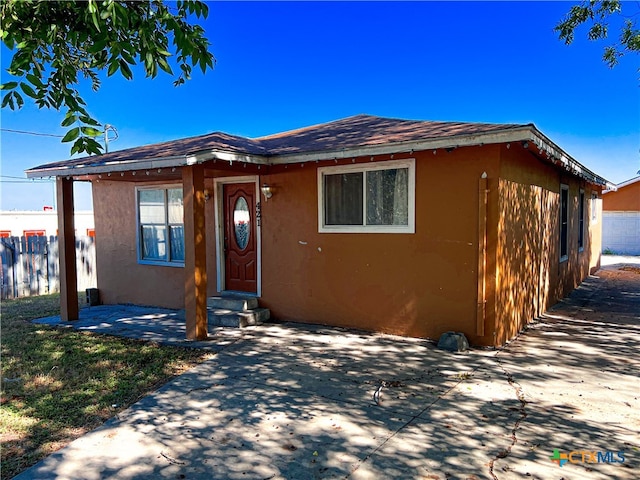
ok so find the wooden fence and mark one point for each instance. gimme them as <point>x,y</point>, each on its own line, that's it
<point>30,266</point>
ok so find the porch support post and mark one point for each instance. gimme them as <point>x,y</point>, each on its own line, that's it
<point>67,250</point>
<point>195,261</point>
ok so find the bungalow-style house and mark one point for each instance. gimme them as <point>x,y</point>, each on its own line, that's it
<point>621,218</point>
<point>399,226</point>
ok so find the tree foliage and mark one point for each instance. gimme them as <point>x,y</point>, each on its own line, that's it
<point>57,44</point>
<point>597,14</point>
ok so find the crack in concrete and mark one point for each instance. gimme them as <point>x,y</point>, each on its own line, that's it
<point>409,422</point>
<point>523,414</point>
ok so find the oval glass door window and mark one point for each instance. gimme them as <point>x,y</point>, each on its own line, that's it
<point>241,222</point>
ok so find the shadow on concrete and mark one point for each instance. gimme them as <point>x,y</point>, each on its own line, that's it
<point>296,401</point>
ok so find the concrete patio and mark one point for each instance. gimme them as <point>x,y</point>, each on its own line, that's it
<point>293,401</point>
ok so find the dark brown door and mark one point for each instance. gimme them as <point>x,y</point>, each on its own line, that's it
<point>240,237</point>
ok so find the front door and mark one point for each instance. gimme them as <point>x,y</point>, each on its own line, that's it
<point>240,237</point>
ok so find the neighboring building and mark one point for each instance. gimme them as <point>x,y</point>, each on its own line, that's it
<point>15,223</point>
<point>406,227</point>
<point>621,218</point>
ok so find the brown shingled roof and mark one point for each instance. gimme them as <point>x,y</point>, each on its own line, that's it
<point>347,133</point>
<point>368,130</point>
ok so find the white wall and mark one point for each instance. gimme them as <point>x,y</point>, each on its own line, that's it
<point>17,222</point>
<point>621,232</point>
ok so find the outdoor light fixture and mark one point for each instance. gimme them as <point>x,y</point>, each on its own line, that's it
<point>267,191</point>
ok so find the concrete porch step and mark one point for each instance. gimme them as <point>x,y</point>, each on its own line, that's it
<point>233,302</point>
<point>235,311</point>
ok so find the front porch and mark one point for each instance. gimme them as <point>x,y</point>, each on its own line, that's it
<point>205,215</point>
<point>162,325</point>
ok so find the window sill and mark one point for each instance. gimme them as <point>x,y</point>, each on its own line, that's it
<point>354,229</point>
<point>161,264</point>
<point>564,259</point>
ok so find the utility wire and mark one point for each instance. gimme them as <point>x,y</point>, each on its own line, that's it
<point>23,180</point>
<point>31,133</point>
<point>30,182</point>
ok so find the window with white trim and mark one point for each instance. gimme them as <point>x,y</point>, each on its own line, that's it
<point>160,225</point>
<point>594,207</point>
<point>564,222</point>
<point>367,198</point>
<point>581,212</point>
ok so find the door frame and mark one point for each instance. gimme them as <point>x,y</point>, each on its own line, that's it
<point>218,186</point>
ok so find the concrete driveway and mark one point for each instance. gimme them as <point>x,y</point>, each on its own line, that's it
<point>297,402</point>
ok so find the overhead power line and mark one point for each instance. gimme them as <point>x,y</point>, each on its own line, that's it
<point>24,132</point>
<point>22,180</point>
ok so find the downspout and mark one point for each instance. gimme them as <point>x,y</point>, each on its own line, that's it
<point>482,254</point>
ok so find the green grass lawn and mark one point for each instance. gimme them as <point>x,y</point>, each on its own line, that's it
<point>58,383</point>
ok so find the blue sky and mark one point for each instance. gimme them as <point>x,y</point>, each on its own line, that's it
<point>292,64</point>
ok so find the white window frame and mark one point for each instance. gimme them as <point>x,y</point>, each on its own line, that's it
<point>564,258</point>
<point>409,164</point>
<point>143,261</point>
<point>593,208</point>
<point>582,221</point>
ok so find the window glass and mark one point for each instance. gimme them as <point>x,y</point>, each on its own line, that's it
<point>241,222</point>
<point>176,209</point>
<point>152,206</point>
<point>376,197</point>
<point>154,242</point>
<point>177,243</point>
<point>343,199</point>
<point>161,213</point>
<point>387,197</point>
<point>564,219</point>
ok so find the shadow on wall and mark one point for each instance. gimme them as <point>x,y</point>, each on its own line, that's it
<point>530,275</point>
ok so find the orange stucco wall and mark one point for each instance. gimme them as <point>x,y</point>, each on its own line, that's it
<point>625,199</point>
<point>530,277</point>
<point>120,278</point>
<point>420,284</point>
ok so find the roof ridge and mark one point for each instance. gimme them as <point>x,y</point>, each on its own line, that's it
<point>315,125</point>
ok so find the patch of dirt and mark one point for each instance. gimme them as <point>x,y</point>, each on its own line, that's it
<point>630,269</point>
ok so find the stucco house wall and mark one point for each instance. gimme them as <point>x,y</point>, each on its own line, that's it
<point>621,219</point>
<point>483,256</point>
<point>420,284</point>
<point>531,276</point>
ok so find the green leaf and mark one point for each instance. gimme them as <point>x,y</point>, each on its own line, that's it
<point>69,120</point>
<point>71,135</point>
<point>7,100</point>
<point>165,66</point>
<point>76,147</point>
<point>125,70</point>
<point>91,132</point>
<point>91,146</point>
<point>35,81</point>
<point>26,88</point>
<point>113,68</point>
<point>8,86</point>
<point>18,99</point>
<point>89,121</point>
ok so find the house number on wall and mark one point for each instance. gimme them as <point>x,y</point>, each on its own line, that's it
<point>258,213</point>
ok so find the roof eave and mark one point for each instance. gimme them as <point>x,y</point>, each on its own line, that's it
<point>626,183</point>
<point>413,145</point>
<point>147,164</point>
<point>554,153</point>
